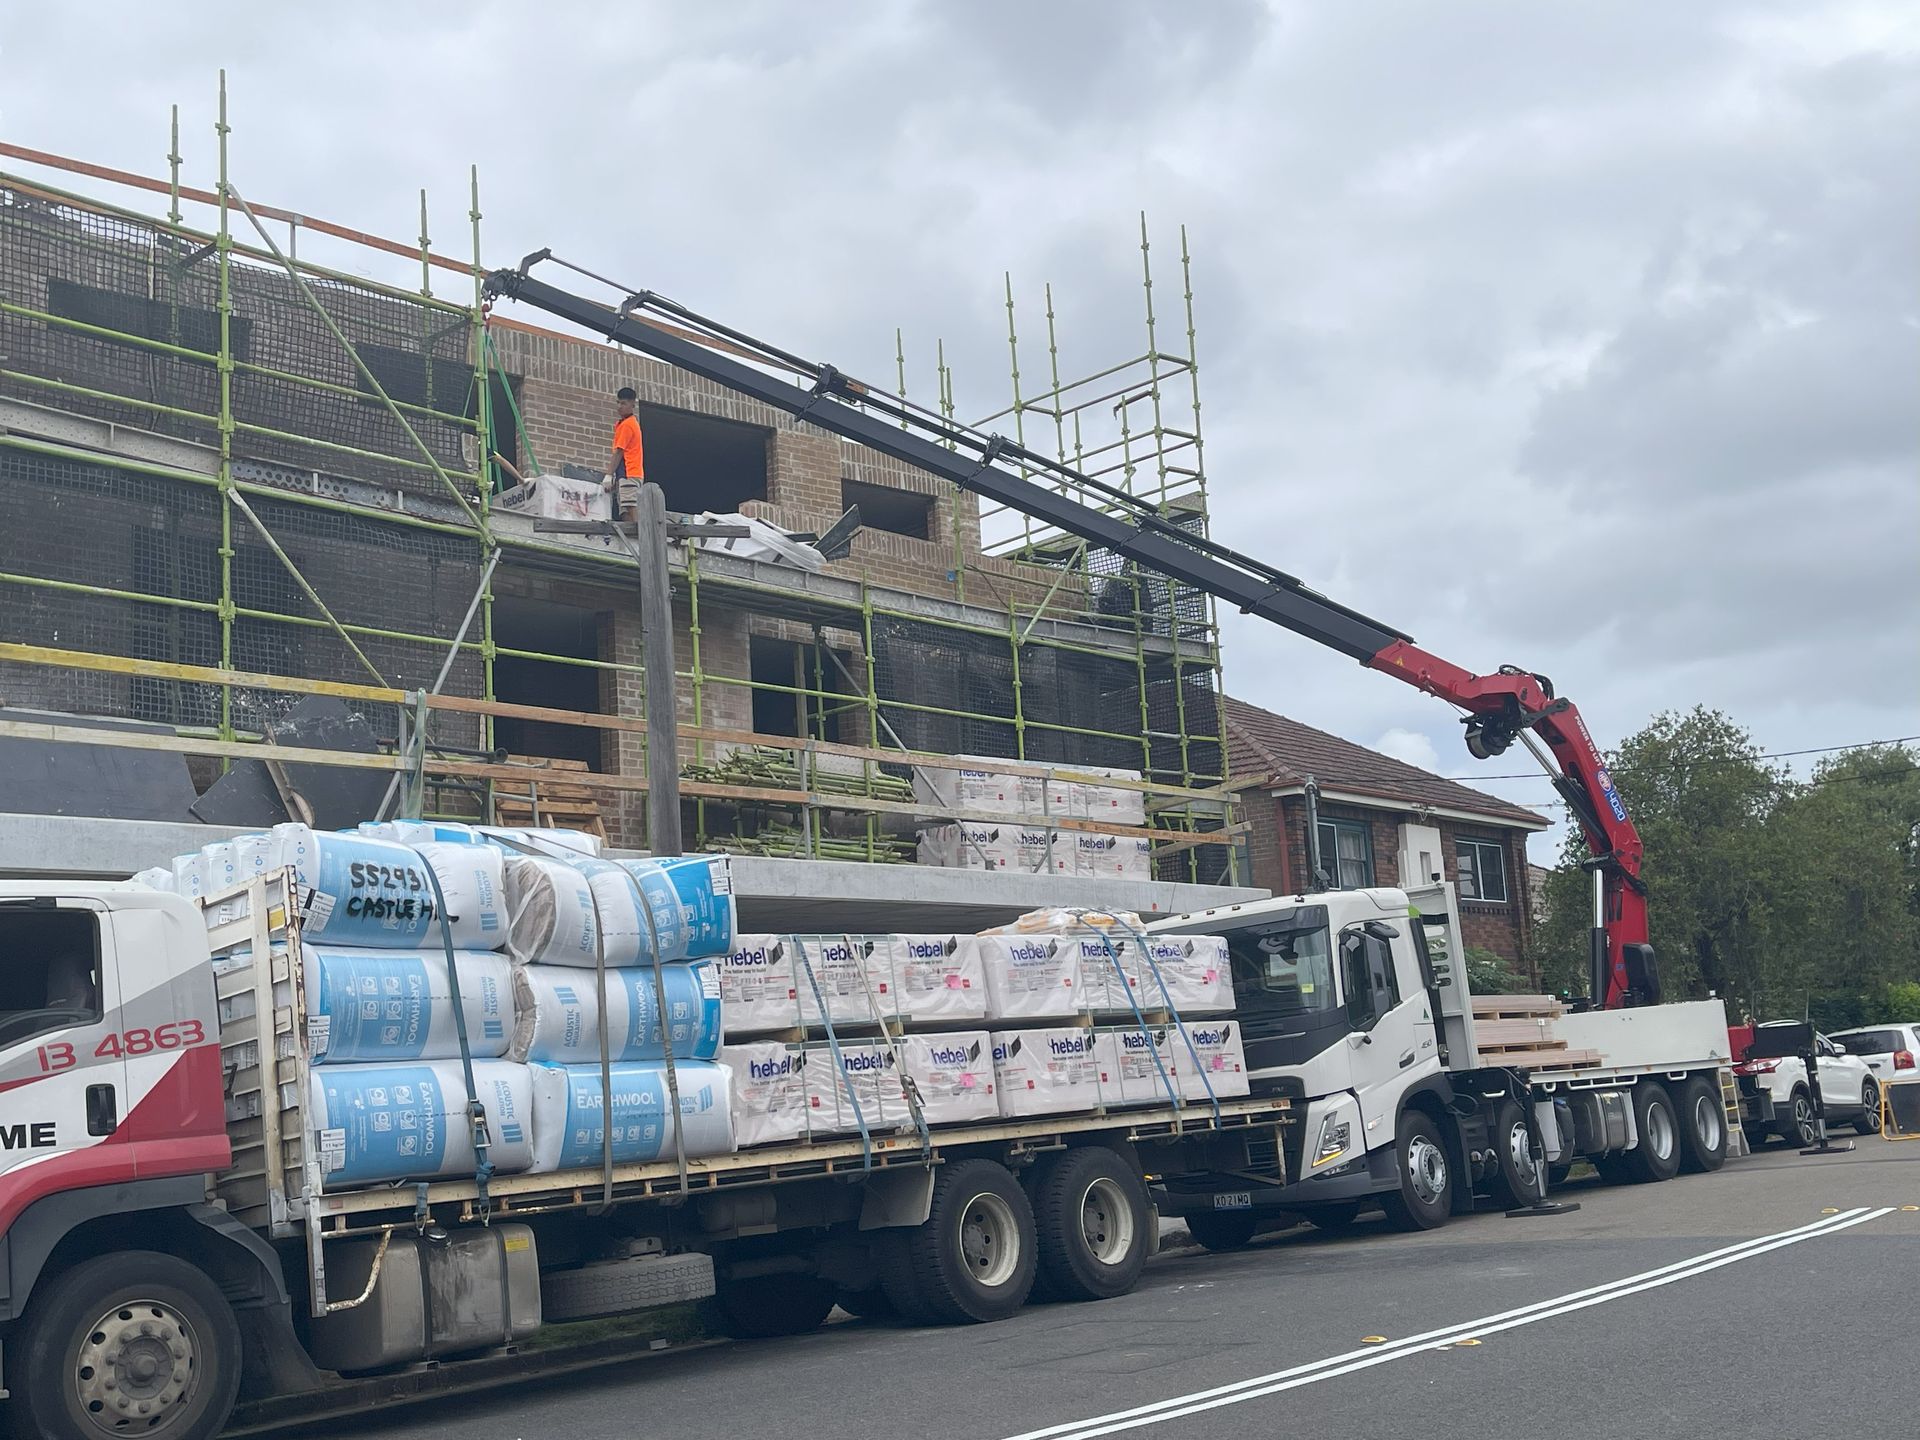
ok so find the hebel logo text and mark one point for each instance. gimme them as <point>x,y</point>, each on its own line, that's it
<point>1067,1045</point>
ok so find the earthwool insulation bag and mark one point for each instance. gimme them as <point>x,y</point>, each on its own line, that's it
<point>692,901</point>
<point>375,894</point>
<point>767,1089</point>
<point>568,1115</point>
<point>393,1005</point>
<point>757,985</point>
<point>553,917</point>
<point>616,902</point>
<point>379,1123</point>
<point>557,1013</point>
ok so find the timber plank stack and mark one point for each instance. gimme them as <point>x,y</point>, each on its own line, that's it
<point>1518,1030</point>
<point>546,799</point>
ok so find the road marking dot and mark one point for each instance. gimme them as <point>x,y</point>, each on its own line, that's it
<point>1466,1342</point>
<point>1910,1207</point>
<point>1831,1210</point>
<point>1373,1339</point>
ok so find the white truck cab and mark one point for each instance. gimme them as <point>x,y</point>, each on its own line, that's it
<point>1354,1005</point>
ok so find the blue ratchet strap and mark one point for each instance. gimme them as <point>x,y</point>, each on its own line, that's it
<point>476,1112</point>
<point>908,1087</point>
<point>1106,944</point>
<point>833,1046</point>
<point>1139,938</point>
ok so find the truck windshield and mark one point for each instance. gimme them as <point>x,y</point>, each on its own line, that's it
<point>1284,967</point>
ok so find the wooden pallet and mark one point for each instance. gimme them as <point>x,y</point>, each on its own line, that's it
<point>546,800</point>
<point>1545,1061</point>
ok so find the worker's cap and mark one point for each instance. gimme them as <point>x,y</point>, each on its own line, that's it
<point>625,392</point>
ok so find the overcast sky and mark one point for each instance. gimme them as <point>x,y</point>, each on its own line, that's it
<point>1580,336</point>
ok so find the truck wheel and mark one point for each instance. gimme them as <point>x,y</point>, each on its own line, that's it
<point>1657,1156</point>
<point>134,1343</point>
<point>1091,1212</point>
<point>1336,1217</point>
<point>1703,1125</point>
<point>1519,1183</point>
<point>1222,1229</point>
<point>866,1304</point>
<point>1869,1121</point>
<point>761,1306</point>
<point>974,1259</point>
<point>1425,1197</point>
<point>1796,1124</point>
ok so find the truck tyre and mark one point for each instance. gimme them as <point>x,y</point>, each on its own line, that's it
<point>1703,1124</point>
<point>1795,1123</point>
<point>1219,1230</point>
<point>1336,1217</point>
<point>761,1306</point>
<point>1657,1156</point>
<point>866,1304</point>
<point>1091,1212</point>
<point>134,1343</point>
<point>1518,1184</point>
<point>1425,1197</point>
<point>974,1259</point>
<point>1869,1121</point>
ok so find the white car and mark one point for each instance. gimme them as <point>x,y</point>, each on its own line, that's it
<point>1776,1099</point>
<point>1892,1052</point>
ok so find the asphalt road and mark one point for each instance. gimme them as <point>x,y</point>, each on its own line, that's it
<point>1811,1331</point>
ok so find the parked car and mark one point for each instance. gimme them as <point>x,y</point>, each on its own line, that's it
<point>1775,1098</point>
<point>1892,1052</point>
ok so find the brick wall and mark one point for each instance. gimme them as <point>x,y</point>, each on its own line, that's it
<point>1280,826</point>
<point>566,405</point>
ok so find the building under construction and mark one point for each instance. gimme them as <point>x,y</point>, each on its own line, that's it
<point>237,483</point>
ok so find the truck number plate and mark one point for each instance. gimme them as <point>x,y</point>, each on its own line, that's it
<point>1233,1200</point>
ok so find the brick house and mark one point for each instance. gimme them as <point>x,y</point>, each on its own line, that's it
<point>1381,822</point>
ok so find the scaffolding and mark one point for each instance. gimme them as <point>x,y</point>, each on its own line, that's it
<point>231,475</point>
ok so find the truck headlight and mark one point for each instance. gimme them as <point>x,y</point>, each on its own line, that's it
<point>1334,1138</point>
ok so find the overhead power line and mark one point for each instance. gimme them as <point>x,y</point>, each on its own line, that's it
<point>1701,764</point>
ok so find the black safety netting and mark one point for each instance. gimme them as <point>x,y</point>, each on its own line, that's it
<point>109,282</point>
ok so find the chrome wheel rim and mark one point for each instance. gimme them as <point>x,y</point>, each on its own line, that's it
<point>1426,1170</point>
<point>1520,1153</point>
<point>1708,1122</point>
<point>1106,1222</point>
<point>136,1369</point>
<point>1803,1120</point>
<point>989,1239</point>
<point>1660,1134</point>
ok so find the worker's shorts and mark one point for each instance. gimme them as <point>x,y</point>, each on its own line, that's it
<point>628,494</point>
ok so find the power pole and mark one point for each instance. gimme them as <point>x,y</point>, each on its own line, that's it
<point>656,653</point>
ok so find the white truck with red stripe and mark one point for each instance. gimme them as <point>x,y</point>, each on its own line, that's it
<point>168,1243</point>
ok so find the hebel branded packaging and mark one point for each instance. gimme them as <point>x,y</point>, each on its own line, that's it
<point>1047,1072</point>
<point>767,1088</point>
<point>952,1076</point>
<point>1031,977</point>
<point>395,1005</point>
<point>569,1113</point>
<point>851,974</point>
<point>936,978</point>
<point>1216,1054</point>
<point>757,987</point>
<point>1143,1065</point>
<point>1195,970</point>
<point>557,1013</point>
<point>864,1087</point>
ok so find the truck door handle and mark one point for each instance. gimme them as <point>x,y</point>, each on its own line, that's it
<point>103,1110</point>
<point>1406,1059</point>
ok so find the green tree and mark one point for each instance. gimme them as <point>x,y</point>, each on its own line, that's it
<point>1700,795</point>
<point>1488,974</point>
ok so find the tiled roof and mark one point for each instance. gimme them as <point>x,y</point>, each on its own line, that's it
<point>1270,748</point>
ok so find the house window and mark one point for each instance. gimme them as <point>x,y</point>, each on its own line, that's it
<point>1483,871</point>
<point>1346,849</point>
<point>901,512</point>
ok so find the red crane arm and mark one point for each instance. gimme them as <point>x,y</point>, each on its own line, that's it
<point>1512,703</point>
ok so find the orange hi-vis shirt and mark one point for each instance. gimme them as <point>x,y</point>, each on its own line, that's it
<point>626,439</point>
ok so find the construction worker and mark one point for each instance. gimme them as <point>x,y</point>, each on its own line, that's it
<point>627,468</point>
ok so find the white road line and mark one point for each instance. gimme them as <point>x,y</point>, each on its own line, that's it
<point>1352,1360</point>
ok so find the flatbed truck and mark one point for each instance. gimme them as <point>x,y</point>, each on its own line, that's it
<point>168,1243</point>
